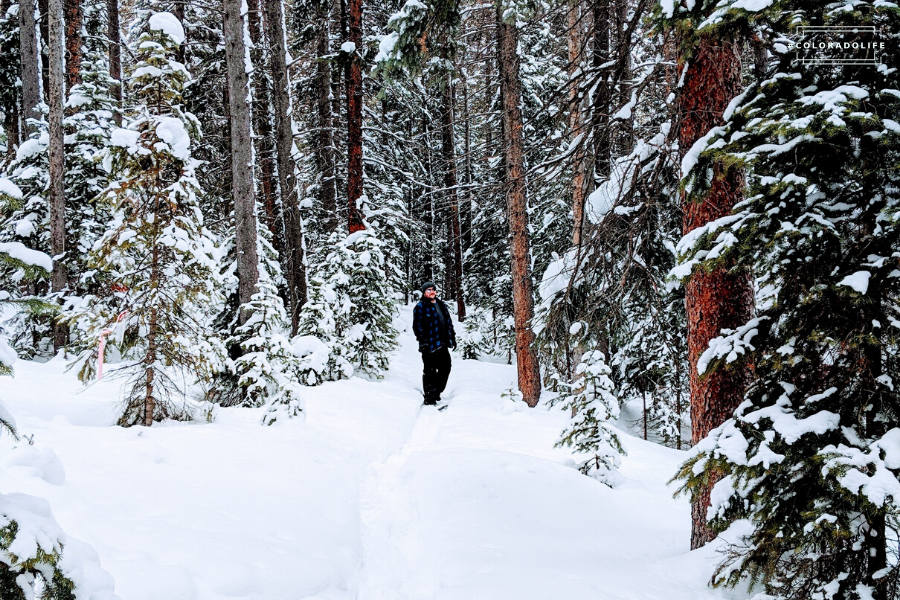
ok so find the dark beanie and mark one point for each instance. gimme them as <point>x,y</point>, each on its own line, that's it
<point>426,285</point>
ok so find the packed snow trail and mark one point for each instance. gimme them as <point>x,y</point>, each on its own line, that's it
<point>373,497</point>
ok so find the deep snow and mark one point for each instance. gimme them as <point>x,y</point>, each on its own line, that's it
<point>372,497</point>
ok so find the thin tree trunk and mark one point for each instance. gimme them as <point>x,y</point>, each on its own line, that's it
<point>448,148</point>
<point>716,299</point>
<point>468,209</point>
<point>43,48</point>
<point>241,156</point>
<point>30,65</point>
<point>115,55</point>
<point>178,12</point>
<point>520,252</point>
<point>603,95</point>
<point>74,21</point>
<point>56,152</point>
<point>284,147</point>
<point>152,339</point>
<point>575,129</point>
<point>325,149</point>
<point>262,128</point>
<point>355,219</point>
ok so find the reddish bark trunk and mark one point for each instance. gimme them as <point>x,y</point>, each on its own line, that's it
<point>514,148</point>
<point>74,19</point>
<point>717,299</point>
<point>355,220</point>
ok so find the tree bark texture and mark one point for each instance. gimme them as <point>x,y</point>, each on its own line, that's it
<point>115,55</point>
<point>520,252</point>
<point>717,299</point>
<point>284,147</point>
<point>241,155</point>
<point>603,95</point>
<point>56,154</point>
<point>355,219</point>
<point>325,146</point>
<point>263,142</point>
<point>448,148</point>
<point>74,21</point>
<point>575,42</point>
<point>30,64</point>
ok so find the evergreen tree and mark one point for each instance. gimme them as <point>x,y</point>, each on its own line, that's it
<point>810,458</point>
<point>592,402</point>
<point>156,263</point>
<point>351,288</point>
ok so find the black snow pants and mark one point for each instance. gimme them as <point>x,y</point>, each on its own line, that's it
<point>435,373</point>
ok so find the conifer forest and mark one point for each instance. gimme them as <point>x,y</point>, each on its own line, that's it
<point>666,232</point>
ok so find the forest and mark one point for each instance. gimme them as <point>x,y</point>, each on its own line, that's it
<point>668,218</point>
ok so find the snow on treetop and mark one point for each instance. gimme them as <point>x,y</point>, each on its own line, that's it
<point>169,25</point>
<point>172,131</point>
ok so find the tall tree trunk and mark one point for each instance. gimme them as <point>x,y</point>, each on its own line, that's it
<point>325,141</point>
<point>43,48</point>
<point>514,151</point>
<point>717,299</point>
<point>11,112</point>
<point>262,128</point>
<point>602,96</point>
<point>575,42</point>
<point>56,152</point>
<point>467,208</point>
<point>115,55</point>
<point>284,147</point>
<point>355,219</point>
<point>448,148</point>
<point>30,65</point>
<point>74,21</point>
<point>241,156</point>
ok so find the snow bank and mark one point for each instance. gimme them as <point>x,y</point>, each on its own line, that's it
<point>372,496</point>
<point>167,23</point>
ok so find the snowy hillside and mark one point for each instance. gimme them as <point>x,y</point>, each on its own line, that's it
<point>372,497</point>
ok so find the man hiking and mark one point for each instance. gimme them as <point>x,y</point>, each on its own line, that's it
<point>434,331</point>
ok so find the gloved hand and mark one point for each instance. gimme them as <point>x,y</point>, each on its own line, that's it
<point>423,348</point>
<point>453,345</point>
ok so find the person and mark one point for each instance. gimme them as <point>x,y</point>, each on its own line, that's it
<point>434,332</point>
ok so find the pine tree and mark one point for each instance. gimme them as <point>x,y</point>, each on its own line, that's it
<point>350,289</point>
<point>157,262</point>
<point>267,371</point>
<point>592,402</point>
<point>809,458</point>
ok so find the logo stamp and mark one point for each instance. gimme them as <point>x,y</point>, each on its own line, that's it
<point>838,46</point>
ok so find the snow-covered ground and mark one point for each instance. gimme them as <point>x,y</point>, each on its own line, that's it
<point>372,497</point>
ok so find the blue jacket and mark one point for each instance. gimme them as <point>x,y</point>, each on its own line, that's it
<point>427,327</point>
